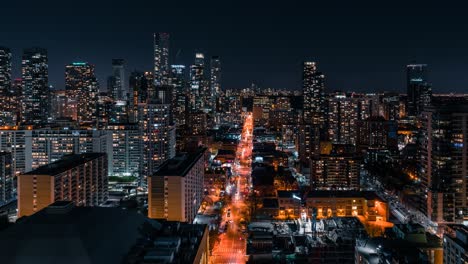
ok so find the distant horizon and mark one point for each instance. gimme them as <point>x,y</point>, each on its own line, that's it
<point>16,74</point>
<point>359,46</point>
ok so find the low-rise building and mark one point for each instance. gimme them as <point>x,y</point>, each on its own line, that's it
<point>405,243</point>
<point>328,204</point>
<point>348,203</point>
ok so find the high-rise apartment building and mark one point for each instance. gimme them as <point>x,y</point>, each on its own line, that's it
<point>342,121</point>
<point>125,150</point>
<point>378,133</point>
<point>335,171</point>
<point>80,178</point>
<point>50,145</point>
<point>18,143</point>
<point>175,191</point>
<point>158,134</point>
<point>81,86</point>
<point>443,161</point>
<point>418,89</point>
<point>35,105</point>
<point>31,149</point>
<point>161,58</point>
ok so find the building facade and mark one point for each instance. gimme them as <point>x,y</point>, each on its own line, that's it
<point>116,84</point>
<point>6,177</point>
<point>125,150</point>
<point>81,86</point>
<point>35,84</point>
<point>161,58</point>
<point>215,81</point>
<point>335,171</point>
<point>198,84</point>
<point>178,81</point>
<point>7,116</point>
<point>456,244</point>
<point>158,134</point>
<point>418,89</point>
<point>80,178</point>
<point>175,191</point>
<point>442,165</point>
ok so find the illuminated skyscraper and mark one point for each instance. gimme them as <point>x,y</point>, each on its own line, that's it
<point>313,87</point>
<point>5,71</point>
<point>82,86</point>
<point>179,83</point>
<point>198,85</point>
<point>313,118</point>
<point>116,85</point>
<point>215,83</point>
<point>7,108</point>
<point>161,58</point>
<point>35,110</point>
<point>419,90</point>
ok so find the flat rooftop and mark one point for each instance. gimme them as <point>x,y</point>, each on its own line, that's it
<point>369,195</point>
<point>67,162</point>
<point>181,164</point>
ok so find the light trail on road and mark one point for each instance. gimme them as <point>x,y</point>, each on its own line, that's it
<point>232,245</point>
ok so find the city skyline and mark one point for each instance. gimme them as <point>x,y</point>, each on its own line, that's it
<point>356,46</point>
<point>227,132</point>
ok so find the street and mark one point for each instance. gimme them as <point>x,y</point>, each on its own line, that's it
<point>232,245</point>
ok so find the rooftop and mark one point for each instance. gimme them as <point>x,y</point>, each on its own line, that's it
<point>368,195</point>
<point>181,164</point>
<point>67,162</point>
<point>63,233</point>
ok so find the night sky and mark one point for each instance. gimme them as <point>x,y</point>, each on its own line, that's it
<point>359,45</point>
